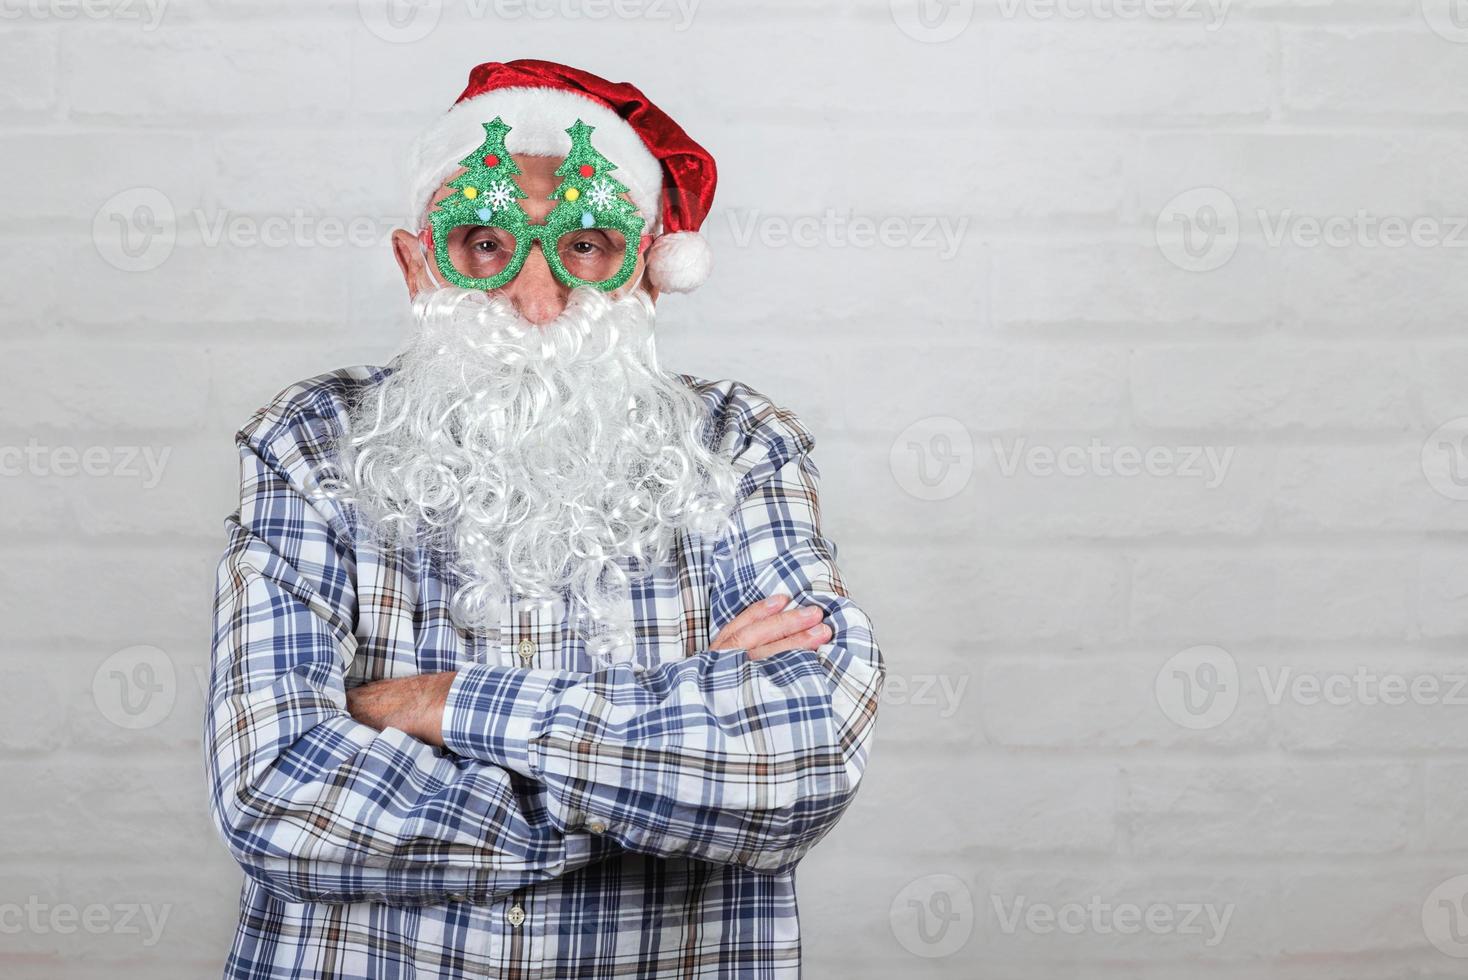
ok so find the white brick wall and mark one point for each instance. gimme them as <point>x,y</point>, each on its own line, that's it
<point>1052,795</point>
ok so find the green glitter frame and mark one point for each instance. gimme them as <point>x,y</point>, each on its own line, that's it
<point>461,209</point>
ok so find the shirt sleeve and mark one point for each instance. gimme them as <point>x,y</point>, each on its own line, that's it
<point>717,757</point>
<point>312,804</point>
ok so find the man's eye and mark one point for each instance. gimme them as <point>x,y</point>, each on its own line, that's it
<point>584,247</point>
<point>486,245</point>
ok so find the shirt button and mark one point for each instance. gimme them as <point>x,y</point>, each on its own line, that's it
<point>516,915</point>
<point>526,651</point>
<point>596,826</point>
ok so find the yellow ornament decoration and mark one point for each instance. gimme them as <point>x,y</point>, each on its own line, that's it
<point>572,194</point>
<point>471,192</point>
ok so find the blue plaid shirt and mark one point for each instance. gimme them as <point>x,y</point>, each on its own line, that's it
<point>578,822</point>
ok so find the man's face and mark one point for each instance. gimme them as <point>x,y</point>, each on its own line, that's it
<point>536,293</point>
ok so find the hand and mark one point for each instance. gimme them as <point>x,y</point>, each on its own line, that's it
<point>410,704</point>
<point>763,631</point>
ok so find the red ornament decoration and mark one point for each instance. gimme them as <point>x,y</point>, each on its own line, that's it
<point>491,160</point>
<point>587,170</point>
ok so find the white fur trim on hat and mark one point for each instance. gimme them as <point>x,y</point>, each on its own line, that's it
<point>679,262</point>
<point>538,119</point>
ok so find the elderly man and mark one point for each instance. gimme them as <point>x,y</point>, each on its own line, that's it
<point>531,658</point>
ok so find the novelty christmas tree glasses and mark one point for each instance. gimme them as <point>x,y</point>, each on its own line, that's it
<point>482,236</point>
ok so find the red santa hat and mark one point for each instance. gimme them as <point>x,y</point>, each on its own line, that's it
<point>669,177</point>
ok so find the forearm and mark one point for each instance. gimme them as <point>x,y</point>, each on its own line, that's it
<point>718,757</point>
<point>344,814</point>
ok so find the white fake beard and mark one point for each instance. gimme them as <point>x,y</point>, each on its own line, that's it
<point>535,458</point>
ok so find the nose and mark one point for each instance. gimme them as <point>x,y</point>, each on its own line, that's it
<point>536,292</point>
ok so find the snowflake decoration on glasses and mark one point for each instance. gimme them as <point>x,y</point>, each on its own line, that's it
<point>500,194</point>
<point>602,195</point>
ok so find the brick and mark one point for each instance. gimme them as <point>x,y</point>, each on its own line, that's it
<point>1097,703</point>
<point>1257,387</point>
<point>28,70</point>
<point>1277,809</point>
<point>291,72</point>
<point>1415,72</point>
<point>1092,70</point>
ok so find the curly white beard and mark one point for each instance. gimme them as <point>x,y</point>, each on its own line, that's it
<point>557,462</point>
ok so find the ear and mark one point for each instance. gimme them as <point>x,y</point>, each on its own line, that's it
<point>409,253</point>
<point>642,247</point>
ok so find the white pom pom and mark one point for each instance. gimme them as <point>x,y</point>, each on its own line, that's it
<point>679,262</point>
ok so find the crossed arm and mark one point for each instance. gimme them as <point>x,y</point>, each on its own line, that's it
<point>416,704</point>
<point>745,753</point>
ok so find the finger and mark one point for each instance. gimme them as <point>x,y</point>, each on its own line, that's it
<point>789,623</point>
<point>748,616</point>
<point>806,640</point>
